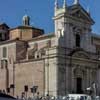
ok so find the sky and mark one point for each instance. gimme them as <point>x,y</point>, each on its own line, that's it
<point>41,12</point>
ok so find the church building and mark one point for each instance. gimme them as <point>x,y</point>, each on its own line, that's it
<point>66,61</point>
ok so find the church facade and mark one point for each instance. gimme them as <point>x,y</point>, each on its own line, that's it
<point>66,61</point>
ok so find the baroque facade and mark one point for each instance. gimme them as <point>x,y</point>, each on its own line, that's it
<point>66,61</point>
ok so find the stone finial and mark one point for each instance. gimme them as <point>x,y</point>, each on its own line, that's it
<point>56,4</point>
<point>64,4</point>
<point>88,10</point>
<point>76,1</point>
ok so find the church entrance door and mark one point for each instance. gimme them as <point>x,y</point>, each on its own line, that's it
<point>79,85</point>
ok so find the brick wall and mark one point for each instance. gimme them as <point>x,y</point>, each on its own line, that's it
<point>31,74</point>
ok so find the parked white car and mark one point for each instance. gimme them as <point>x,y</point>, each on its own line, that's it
<point>78,97</point>
<point>97,98</point>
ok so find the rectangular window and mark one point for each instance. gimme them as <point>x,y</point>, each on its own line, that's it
<point>77,40</point>
<point>4,52</point>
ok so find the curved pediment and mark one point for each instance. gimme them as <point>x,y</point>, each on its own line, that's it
<point>79,53</point>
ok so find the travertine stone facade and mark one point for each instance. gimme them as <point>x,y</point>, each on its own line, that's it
<point>66,61</point>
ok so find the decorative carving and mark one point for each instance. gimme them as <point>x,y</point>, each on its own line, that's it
<point>77,30</point>
<point>36,46</point>
<point>43,52</point>
<point>78,71</point>
<point>31,54</point>
<point>81,54</point>
<point>49,43</point>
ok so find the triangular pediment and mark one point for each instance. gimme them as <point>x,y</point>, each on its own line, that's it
<point>79,12</point>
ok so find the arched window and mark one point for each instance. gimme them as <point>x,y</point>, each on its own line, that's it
<point>77,40</point>
<point>4,52</point>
